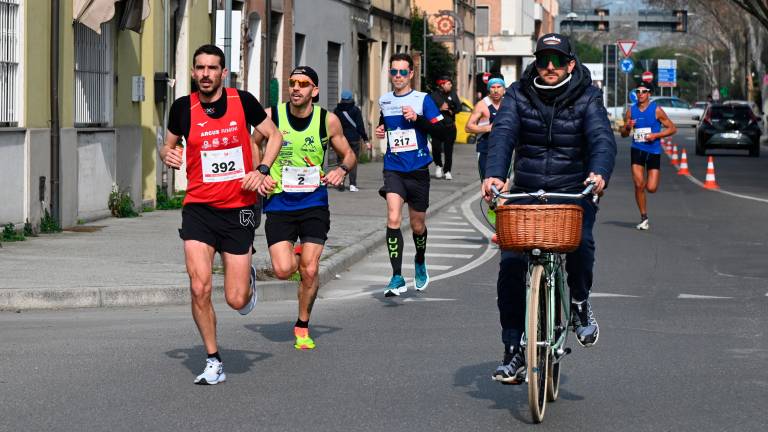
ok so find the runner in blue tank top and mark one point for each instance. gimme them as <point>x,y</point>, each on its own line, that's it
<point>644,121</point>
<point>407,116</point>
<point>481,119</point>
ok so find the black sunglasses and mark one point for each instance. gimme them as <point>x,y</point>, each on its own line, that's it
<point>402,72</point>
<point>557,60</point>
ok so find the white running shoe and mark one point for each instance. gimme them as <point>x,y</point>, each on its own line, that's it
<point>448,175</point>
<point>644,225</point>
<point>353,188</point>
<point>438,172</point>
<point>213,373</point>
<point>252,302</point>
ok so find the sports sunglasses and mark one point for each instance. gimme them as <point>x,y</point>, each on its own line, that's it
<point>402,72</point>
<point>557,60</point>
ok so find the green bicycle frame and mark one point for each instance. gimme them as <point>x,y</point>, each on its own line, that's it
<point>554,273</point>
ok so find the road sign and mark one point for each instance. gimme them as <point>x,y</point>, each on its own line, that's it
<point>647,76</point>
<point>626,46</point>
<point>633,96</point>
<point>627,65</point>
<point>667,73</point>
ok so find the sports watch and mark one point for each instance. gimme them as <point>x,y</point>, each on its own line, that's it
<point>263,169</point>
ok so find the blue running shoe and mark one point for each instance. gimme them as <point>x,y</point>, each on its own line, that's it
<point>395,287</point>
<point>422,277</point>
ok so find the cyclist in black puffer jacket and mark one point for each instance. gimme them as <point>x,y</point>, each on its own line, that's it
<point>554,121</point>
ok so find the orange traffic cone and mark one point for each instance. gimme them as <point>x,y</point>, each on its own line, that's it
<point>674,156</point>
<point>683,165</point>
<point>668,147</point>
<point>709,181</point>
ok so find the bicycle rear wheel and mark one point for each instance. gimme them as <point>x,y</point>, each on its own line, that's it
<point>561,326</point>
<point>536,353</point>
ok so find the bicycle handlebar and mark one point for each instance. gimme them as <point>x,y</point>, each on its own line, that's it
<point>542,196</point>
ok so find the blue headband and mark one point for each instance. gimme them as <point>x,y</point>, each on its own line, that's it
<point>493,81</point>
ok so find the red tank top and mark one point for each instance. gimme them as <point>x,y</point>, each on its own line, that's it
<point>218,155</point>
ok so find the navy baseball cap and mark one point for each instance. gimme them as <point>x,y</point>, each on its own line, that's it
<point>554,42</point>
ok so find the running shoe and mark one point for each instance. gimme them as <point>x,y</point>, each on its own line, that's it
<point>353,188</point>
<point>303,341</point>
<point>213,373</point>
<point>584,323</point>
<point>396,286</point>
<point>422,277</point>
<point>511,370</point>
<point>644,225</point>
<point>448,175</point>
<point>438,172</point>
<point>252,302</point>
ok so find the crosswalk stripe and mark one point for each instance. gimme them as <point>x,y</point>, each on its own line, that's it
<point>432,229</point>
<point>702,297</point>
<point>456,237</point>
<point>365,277</point>
<point>442,255</point>
<point>451,245</point>
<point>451,217</point>
<point>597,294</point>
<point>426,299</point>
<point>386,264</point>
<point>431,223</point>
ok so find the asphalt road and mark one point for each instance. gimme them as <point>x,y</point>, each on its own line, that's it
<point>682,307</point>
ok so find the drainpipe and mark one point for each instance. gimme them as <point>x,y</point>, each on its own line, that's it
<point>227,39</point>
<point>164,180</point>
<point>55,126</point>
<point>268,51</point>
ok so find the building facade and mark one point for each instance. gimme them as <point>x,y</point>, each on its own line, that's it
<point>506,33</point>
<point>67,137</point>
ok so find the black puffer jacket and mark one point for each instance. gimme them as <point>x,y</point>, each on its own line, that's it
<point>556,145</point>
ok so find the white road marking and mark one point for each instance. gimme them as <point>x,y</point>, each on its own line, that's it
<point>441,255</point>
<point>365,277</point>
<point>451,217</point>
<point>452,209</point>
<point>597,294</point>
<point>697,182</point>
<point>455,237</point>
<point>408,265</point>
<point>704,297</point>
<point>426,299</point>
<point>431,222</point>
<point>451,245</point>
<point>469,230</point>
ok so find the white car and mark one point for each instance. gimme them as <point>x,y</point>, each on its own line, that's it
<point>679,111</point>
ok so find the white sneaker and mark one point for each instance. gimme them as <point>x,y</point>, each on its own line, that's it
<point>213,373</point>
<point>643,225</point>
<point>353,188</point>
<point>439,172</point>
<point>252,302</point>
<point>448,175</point>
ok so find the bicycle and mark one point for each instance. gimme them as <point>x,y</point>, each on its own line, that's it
<point>544,233</point>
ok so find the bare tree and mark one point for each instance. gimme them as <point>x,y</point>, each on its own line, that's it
<point>756,8</point>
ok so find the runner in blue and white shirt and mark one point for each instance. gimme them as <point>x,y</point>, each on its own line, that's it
<point>407,117</point>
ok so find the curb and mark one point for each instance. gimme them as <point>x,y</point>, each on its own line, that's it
<point>89,297</point>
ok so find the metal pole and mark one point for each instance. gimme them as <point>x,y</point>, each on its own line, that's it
<point>615,75</point>
<point>55,137</point>
<point>164,177</point>
<point>425,28</point>
<point>626,89</point>
<point>227,38</point>
<point>268,52</point>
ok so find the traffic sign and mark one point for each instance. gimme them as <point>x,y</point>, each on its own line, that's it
<point>626,46</point>
<point>667,71</point>
<point>627,65</point>
<point>647,76</point>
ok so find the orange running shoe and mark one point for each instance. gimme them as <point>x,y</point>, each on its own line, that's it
<point>303,341</point>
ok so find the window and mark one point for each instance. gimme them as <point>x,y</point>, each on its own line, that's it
<point>9,62</point>
<point>482,22</point>
<point>298,47</point>
<point>93,76</point>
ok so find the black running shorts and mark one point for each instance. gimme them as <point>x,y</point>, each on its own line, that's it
<point>311,225</point>
<point>227,230</point>
<point>648,160</point>
<point>412,186</point>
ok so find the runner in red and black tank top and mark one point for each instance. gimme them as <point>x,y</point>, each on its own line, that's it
<point>209,163</point>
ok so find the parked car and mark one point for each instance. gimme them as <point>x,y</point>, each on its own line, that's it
<point>702,105</point>
<point>462,118</point>
<point>679,111</point>
<point>728,126</point>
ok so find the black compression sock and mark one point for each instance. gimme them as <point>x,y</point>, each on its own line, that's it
<point>395,249</point>
<point>302,324</point>
<point>215,355</point>
<point>643,216</point>
<point>420,241</point>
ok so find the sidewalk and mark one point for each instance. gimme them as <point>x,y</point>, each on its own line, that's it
<point>140,261</point>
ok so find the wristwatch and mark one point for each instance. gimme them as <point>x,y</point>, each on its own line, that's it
<point>344,168</point>
<point>263,169</point>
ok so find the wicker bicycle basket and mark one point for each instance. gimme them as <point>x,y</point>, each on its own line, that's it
<point>548,227</point>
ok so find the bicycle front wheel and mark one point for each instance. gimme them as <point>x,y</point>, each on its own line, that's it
<point>537,351</point>
<point>561,326</point>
